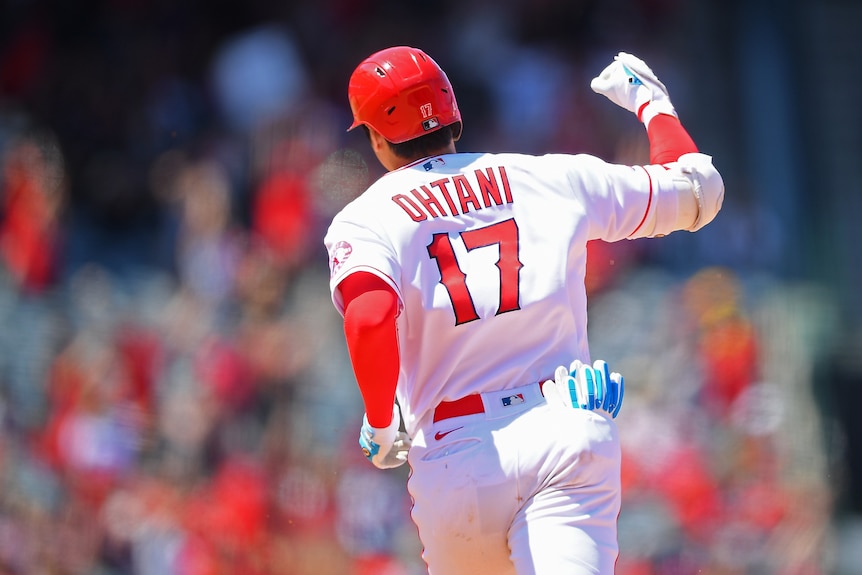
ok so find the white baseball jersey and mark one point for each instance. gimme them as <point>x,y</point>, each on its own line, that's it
<point>487,255</point>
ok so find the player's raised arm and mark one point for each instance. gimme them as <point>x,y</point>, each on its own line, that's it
<point>689,190</point>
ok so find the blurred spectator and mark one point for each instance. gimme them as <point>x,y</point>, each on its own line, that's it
<point>728,346</point>
<point>257,75</point>
<point>94,430</point>
<point>33,187</point>
<point>209,242</point>
<point>281,213</point>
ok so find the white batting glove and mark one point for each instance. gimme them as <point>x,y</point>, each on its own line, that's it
<point>385,447</point>
<point>583,387</point>
<point>629,83</point>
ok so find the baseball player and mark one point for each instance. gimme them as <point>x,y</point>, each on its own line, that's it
<point>460,277</point>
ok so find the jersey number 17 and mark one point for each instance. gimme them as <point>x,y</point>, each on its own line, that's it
<point>503,234</point>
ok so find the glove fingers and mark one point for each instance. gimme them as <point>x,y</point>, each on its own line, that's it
<point>636,65</point>
<point>620,387</point>
<point>619,401</point>
<point>579,393</point>
<point>570,391</point>
<point>643,72</point>
<point>613,393</point>
<point>557,391</point>
<point>604,375</point>
<point>549,390</point>
<point>601,388</point>
<point>608,79</point>
<point>403,440</point>
<point>585,385</point>
<point>573,386</point>
<point>560,374</point>
<point>563,386</point>
<point>397,454</point>
<point>616,84</point>
<point>631,77</point>
<point>592,387</point>
<point>602,82</point>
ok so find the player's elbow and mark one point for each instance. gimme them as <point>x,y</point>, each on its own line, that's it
<point>707,186</point>
<point>688,195</point>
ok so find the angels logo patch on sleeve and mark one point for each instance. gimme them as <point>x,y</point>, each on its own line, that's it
<point>338,255</point>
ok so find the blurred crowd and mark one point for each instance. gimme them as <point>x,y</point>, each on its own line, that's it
<point>175,395</point>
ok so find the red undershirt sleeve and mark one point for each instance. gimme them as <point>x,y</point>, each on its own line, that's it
<point>668,140</point>
<point>370,310</point>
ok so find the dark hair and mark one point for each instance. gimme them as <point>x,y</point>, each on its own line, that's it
<point>425,145</point>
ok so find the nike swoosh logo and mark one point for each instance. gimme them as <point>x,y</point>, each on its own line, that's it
<point>441,434</point>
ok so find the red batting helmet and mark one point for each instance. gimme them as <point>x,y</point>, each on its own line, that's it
<point>403,94</point>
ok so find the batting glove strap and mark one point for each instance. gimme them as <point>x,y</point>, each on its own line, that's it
<point>385,447</point>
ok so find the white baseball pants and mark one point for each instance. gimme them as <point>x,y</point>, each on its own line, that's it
<point>523,488</point>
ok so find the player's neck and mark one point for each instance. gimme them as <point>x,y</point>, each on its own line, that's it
<point>399,162</point>
<point>391,161</point>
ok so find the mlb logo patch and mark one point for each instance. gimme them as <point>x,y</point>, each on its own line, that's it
<point>431,164</point>
<point>513,400</point>
<point>430,124</point>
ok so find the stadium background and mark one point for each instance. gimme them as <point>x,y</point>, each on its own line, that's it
<point>175,396</point>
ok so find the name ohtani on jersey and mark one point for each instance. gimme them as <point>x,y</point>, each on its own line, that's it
<point>457,195</point>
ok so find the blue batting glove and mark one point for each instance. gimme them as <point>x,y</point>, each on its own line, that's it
<point>594,388</point>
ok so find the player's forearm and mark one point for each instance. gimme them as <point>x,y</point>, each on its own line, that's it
<point>668,140</point>
<point>369,328</point>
